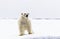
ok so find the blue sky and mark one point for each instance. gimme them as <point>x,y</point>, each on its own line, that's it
<point>36,8</point>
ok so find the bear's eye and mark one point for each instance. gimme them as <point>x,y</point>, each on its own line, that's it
<point>24,13</point>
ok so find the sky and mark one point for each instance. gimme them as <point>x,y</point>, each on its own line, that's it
<point>36,8</point>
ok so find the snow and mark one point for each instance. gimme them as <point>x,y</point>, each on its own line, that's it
<point>41,29</point>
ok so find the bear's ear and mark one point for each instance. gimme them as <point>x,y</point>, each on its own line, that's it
<point>21,13</point>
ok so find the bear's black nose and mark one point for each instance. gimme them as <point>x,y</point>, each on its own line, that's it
<point>26,15</point>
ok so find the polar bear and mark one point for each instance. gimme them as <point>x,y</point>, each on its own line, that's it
<point>24,24</point>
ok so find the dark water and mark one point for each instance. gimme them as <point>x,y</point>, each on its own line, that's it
<point>44,38</point>
<point>47,18</point>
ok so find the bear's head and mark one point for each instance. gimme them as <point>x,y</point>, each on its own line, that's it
<point>25,14</point>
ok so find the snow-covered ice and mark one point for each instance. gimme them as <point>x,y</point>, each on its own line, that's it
<point>41,29</point>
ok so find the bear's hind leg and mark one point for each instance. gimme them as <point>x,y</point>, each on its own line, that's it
<point>21,31</point>
<point>29,30</point>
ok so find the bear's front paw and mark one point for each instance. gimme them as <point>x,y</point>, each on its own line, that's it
<point>29,33</point>
<point>21,34</point>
